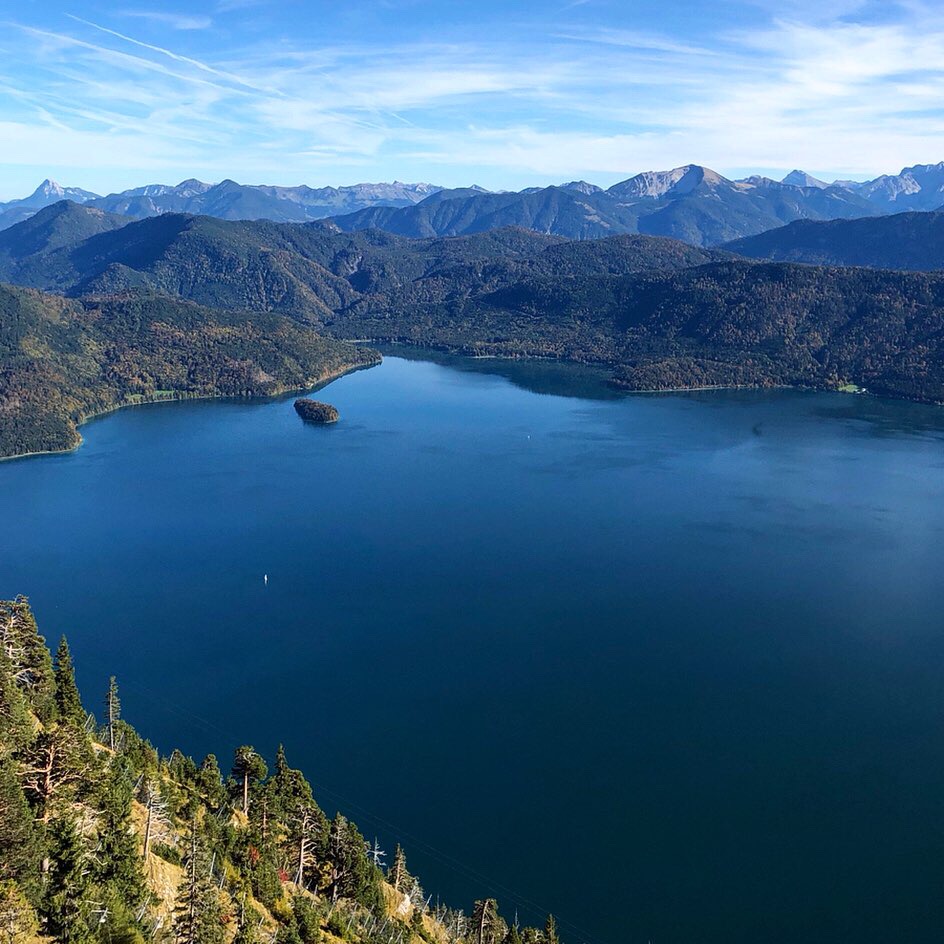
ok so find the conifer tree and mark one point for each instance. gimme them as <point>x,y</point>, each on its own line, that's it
<point>197,913</point>
<point>67,906</point>
<point>486,926</point>
<point>68,701</point>
<point>248,768</point>
<point>398,876</point>
<point>181,767</point>
<point>28,655</point>
<point>550,931</point>
<point>57,768</point>
<point>119,868</point>
<point>513,936</point>
<point>351,874</point>
<point>210,782</point>
<point>18,921</point>
<point>248,931</point>
<point>281,762</point>
<point>306,830</point>
<point>112,712</point>
<point>20,845</point>
<point>16,724</point>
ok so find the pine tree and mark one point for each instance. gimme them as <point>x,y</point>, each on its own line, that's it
<point>57,768</point>
<point>28,655</point>
<point>18,921</point>
<point>120,868</point>
<point>398,876</point>
<point>281,762</point>
<point>248,767</point>
<point>210,782</point>
<point>307,827</point>
<point>112,712</point>
<point>20,845</point>
<point>248,931</point>
<point>351,874</point>
<point>197,913</point>
<point>67,905</point>
<point>16,725</point>
<point>68,701</point>
<point>513,936</point>
<point>550,931</point>
<point>486,927</point>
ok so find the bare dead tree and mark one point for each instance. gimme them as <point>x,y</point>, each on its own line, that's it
<point>55,763</point>
<point>158,817</point>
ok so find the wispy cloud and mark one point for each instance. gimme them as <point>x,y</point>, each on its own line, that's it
<point>848,90</point>
<point>177,21</point>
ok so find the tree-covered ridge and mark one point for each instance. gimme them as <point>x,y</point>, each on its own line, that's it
<point>306,272</point>
<point>913,241</point>
<point>730,323</point>
<point>658,312</point>
<point>104,840</point>
<point>62,361</point>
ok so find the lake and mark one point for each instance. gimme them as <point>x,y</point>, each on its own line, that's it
<point>669,666</point>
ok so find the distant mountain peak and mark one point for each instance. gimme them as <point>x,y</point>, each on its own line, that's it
<point>581,186</point>
<point>800,178</point>
<point>49,186</point>
<point>662,183</point>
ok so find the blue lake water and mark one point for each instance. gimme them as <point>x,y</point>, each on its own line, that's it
<point>669,666</point>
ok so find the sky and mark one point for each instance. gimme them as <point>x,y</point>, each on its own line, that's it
<point>109,94</point>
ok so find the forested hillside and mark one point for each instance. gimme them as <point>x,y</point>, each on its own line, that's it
<point>102,839</point>
<point>904,241</point>
<point>192,306</point>
<point>723,324</point>
<point>63,360</point>
<point>306,271</point>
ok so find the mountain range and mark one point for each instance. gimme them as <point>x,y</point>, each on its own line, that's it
<point>691,203</point>
<point>227,200</point>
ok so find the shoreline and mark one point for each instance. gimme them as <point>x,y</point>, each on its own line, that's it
<point>322,381</point>
<point>452,351</point>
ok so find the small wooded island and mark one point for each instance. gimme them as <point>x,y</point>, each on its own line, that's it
<point>313,411</point>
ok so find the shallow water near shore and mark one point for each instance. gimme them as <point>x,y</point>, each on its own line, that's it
<point>668,666</point>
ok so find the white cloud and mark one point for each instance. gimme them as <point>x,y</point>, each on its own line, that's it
<point>828,92</point>
<point>177,21</point>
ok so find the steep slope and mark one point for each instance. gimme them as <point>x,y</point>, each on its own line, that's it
<point>216,263</point>
<point>115,843</point>
<point>920,187</point>
<point>904,241</point>
<point>63,360</point>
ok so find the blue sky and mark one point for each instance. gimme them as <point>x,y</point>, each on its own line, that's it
<point>109,95</point>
